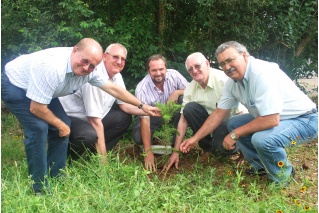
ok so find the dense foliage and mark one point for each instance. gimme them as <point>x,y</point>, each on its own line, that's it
<point>276,30</point>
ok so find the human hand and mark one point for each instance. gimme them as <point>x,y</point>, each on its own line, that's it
<point>173,97</point>
<point>64,130</point>
<point>174,159</point>
<point>229,143</point>
<point>149,161</point>
<point>187,145</point>
<point>152,111</point>
<point>103,159</point>
<point>240,160</point>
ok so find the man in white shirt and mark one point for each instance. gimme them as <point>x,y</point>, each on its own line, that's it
<point>30,87</point>
<point>96,125</point>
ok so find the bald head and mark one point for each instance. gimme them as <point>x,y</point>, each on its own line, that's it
<point>87,43</point>
<point>86,55</point>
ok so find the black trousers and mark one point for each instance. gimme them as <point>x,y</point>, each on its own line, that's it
<point>83,136</point>
<point>195,115</point>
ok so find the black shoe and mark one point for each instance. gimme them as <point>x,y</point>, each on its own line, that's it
<point>253,171</point>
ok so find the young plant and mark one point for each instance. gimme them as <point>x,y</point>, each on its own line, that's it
<point>165,133</point>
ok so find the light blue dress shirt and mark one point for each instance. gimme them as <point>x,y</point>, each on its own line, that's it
<point>265,90</point>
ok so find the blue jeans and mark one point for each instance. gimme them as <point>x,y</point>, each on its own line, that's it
<point>266,148</point>
<point>42,160</point>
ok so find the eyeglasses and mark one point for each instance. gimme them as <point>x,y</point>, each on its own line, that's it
<point>223,64</point>
<point>85,62</point>
<point>116,58</point>
<point>196,66</point>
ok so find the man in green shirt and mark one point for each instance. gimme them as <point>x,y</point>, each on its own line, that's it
<point>200,100</point>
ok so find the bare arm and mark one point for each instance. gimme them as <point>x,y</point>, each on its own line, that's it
<point>174,95</point>
<point>181,129</point>
<point>146,138</point>
<point>211,123</point>
<point>133,110</point>
<point>43,112</point>
<point>125,96</point>
<point>99,128</point>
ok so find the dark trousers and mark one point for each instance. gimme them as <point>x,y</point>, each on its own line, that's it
<point>83,136</point>
<point>156,123</point>
<point>196,115</point>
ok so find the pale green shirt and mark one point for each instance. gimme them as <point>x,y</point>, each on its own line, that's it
<point>210,96</point>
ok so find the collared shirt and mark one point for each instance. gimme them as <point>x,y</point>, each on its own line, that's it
<point>265,90</point>
<point>48,74</point>
<point>147,92</point>
<point>91,101</point>
<point>208,97</point>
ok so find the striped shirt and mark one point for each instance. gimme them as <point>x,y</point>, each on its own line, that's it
<point>147,92</point>
<point>48,74</point>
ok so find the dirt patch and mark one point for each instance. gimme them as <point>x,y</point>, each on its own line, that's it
<point>304,159</point>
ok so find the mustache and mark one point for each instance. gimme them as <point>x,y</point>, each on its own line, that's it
<point>232,69</point>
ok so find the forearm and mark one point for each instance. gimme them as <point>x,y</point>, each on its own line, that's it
<point>133,110</point>
<point>181,129</point>
<point>43,112</point>
<point>211,123</point>
<point>120,93</point>
<point>258,124</point>
<point>174,95</point>
<point>99,128</point>
<point>146,133</point>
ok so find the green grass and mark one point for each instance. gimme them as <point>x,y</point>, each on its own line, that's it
<point>122,185</point>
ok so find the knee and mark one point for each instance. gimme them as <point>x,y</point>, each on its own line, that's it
<point>87,137</point>
<point>230,124</point>
<point>189,108</point>
<point>122,118</point>
<point>128,119</point>
<point>38,128</point>
<point>262,144</point>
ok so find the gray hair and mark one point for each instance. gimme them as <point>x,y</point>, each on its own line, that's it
<point>201,55</point>
<point>108,49</point>
<point>234,44</point>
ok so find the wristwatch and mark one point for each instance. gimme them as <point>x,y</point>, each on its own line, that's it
<point>233,136</point>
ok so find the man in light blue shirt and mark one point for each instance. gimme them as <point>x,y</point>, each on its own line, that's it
<point>31,85</point>
<point>280,114</point>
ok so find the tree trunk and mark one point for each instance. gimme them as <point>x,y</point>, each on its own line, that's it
<point>161,24</point>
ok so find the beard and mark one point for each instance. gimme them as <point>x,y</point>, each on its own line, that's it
<point>158,80</point>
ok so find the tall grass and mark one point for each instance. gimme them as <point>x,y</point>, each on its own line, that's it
<point>122,185</point>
